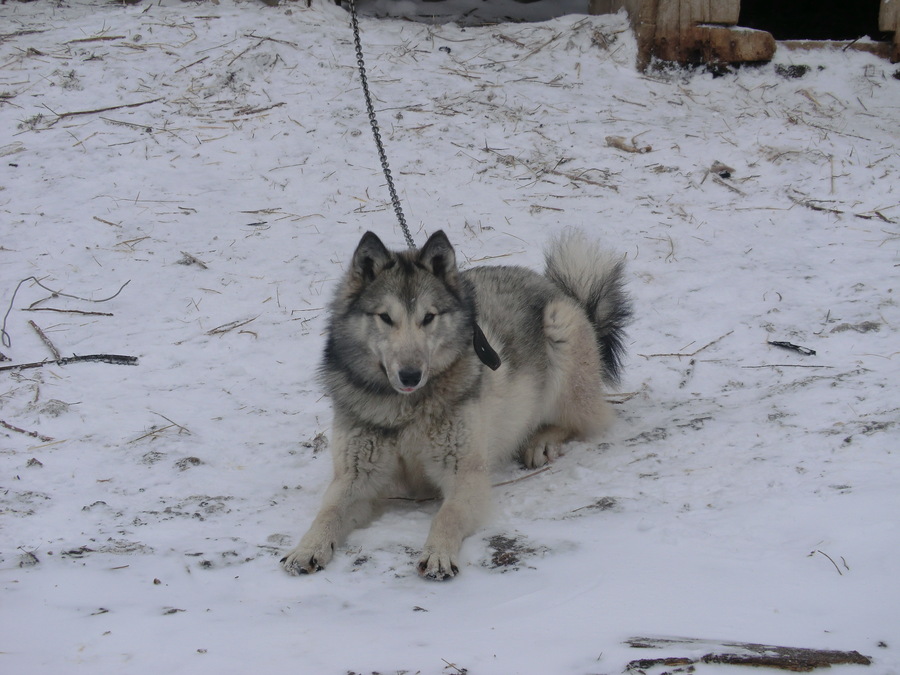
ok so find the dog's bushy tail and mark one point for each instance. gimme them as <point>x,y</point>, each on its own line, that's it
<point>594,277</point>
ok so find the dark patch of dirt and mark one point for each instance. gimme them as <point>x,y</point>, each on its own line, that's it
<point>508,553</point>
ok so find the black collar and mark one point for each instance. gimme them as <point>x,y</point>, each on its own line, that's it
<point>486,353</point>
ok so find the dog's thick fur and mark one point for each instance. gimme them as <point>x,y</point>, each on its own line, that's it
<point>416,409</point>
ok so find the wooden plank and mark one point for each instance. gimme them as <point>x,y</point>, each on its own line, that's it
<point>889,20</point>
<point>724,12</point>
<point>690,12</point>
<point>882,49</point>
<point>889,16</point>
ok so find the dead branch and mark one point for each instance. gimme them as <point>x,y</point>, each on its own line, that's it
<point>721,182</point>
<point>795,659</point>
<point>806,351</point>
<point>19,33</point>
<point>225,327</point>
<point>76,113</point>
<point>153,432</point>
<point>114,359</point>
<point>521,478</point>
<point>810,204</point>
<point>243,112</point>
<point>785,365</point>
<point>192,64</point>
<point>831,559</point>
<point>46,340</point>
<point>7,340</point>
<point>511,160</point>
<point>99,38</point>
<point>181,429</point>
<point>189,259</point>
<point>67,311</point>
<point>680,354</point>
<point>33,434</point>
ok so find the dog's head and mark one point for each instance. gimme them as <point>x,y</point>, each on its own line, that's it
<point>402,316</point>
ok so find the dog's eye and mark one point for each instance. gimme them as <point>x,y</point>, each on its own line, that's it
<point>427,319</point>
<point>384,316</point>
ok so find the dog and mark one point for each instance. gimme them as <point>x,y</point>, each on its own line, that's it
<point>436,375</point>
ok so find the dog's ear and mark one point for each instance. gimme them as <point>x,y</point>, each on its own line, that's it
<point>439,258</point>
<point>369,259</point>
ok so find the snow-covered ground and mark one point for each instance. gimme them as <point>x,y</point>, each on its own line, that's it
<point>216,157</point>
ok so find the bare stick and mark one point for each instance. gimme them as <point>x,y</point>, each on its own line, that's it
<point>521,478</point>
<point>7,341</point>
<point>831,559</point>
<point>706,346</point>
<point>99,38</point>
<point>181,429</point>
<point>786,365</point>
<point>67,311</point>
<point>225,327</point>
<point>76,113</point>
<point>114,359</point>
<point>43,336</point>
<point>33,434</point>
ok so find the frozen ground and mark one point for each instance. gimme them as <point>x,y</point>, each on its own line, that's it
<point>216,157</point>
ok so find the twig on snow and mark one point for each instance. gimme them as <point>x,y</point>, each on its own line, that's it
<point>521,478</point>
<point>80,312</point>
<point>114,359</point>
<point>681,354</point>
<point>33,434</point>
<point>512,160</point>
<point>76,113</point>
<point>19,33</point>
<point>786,365</point>
<point>806,351</point>
<point>46,340</point>
<point>192,64</point>
<point>831,559</point>
<point>99,38</point>
<point>7,341</point>
<point>181,428</point>
<point>189,259</point>
<point>226,327</point>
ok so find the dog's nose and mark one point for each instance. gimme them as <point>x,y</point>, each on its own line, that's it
<point>410,377</point>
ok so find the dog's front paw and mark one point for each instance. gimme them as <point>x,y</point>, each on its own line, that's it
<point>305,559</point>
<point>437,566</point>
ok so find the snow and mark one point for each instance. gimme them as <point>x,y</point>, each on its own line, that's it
<point>747,492</point>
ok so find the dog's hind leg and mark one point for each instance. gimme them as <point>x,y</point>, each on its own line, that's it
<point>544,446</point>
<point>575,377</point>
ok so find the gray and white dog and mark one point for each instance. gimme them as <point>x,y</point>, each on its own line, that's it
<point>437,375</point>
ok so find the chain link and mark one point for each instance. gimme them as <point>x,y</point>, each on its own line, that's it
<point>376,133</point>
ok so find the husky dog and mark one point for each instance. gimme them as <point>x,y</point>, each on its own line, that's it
<point>437,375</point>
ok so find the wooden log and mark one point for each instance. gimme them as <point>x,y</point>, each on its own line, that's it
<point>714,44</point>
<point>690,31</point>
<point>796,659</point>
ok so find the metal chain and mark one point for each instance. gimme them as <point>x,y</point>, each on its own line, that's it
<point>375,130</point>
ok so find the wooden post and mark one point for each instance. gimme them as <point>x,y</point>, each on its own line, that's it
<point>692,31</point>
<point>889,20</point>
